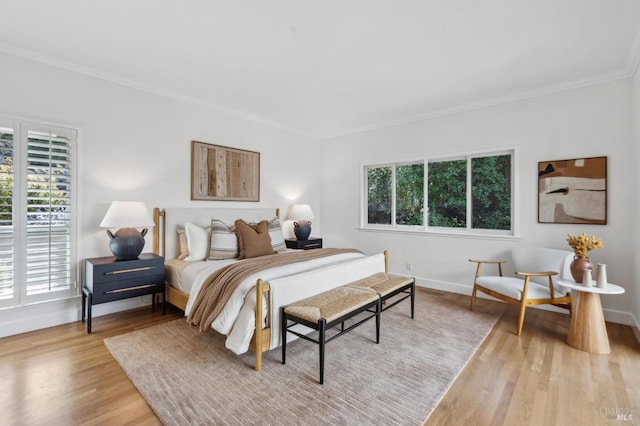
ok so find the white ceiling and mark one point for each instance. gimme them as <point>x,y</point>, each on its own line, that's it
<point>324,68</point>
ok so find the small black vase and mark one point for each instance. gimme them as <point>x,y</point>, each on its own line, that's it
<point>302,229</point>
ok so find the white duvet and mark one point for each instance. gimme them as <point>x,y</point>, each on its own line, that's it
<point>288,284</point>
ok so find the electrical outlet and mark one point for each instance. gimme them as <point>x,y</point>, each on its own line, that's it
<point>409,266</point>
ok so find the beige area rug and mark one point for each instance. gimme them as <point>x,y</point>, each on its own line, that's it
<point>191,379</point>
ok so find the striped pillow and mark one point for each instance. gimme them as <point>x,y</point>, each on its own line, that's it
<point>224,242</point>
<point>277,237</point>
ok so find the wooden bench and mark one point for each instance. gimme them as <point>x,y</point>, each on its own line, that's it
<point>330,308</point>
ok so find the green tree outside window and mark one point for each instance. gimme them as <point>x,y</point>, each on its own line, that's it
<point>455,199</point>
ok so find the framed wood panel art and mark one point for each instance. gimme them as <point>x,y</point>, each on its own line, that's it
<point>573,191</point>
<point>220,173</point>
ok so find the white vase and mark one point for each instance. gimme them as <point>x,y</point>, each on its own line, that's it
<point>601,279</point>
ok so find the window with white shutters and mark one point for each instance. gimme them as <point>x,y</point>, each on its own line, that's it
<point>8,292</point>
<point>37,213</point>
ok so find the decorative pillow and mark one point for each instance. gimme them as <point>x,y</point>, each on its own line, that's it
<point>276,235</point>
<point>182,239</point>
<point>253,242</point>
<point>197,242</point>
<point>224,241</point>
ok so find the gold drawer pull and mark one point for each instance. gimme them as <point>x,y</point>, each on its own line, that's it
<point>120,290</point>
<point>126,271</point>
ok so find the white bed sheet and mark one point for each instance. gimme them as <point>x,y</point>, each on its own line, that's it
<point>288,283</point>
<point>290,288</point>
<point>182,274</point>
<point>224,321</point>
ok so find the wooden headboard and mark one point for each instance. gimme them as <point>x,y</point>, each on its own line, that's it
<point>165,236</point>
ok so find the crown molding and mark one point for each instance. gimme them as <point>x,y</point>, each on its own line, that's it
<point>549,90</point>
<point>91,72</point>
<point>633,62</point>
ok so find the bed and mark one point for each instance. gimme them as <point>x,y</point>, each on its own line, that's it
<point>255,303</point>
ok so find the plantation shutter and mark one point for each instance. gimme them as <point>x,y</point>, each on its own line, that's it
<point>37,212</point>
<point>48,266</point>
<point>8,292</point>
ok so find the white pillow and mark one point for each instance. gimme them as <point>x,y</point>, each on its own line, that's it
<point>197,241</point>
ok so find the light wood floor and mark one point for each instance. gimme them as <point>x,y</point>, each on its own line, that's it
<point>61,375</point>
<point>537,379</point>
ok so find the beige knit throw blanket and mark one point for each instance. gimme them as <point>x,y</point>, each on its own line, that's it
<point>218,287</point>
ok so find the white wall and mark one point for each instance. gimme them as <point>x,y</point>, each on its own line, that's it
<point>592,121</point>
<point>136,146</point>
<point>635,158</point>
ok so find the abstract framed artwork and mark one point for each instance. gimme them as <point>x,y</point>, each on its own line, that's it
<point>220,173</point>
<point>573,191</point>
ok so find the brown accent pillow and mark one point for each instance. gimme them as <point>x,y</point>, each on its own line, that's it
<point>253,241</point>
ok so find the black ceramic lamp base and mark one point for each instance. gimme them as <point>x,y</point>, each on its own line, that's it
<point>127,243</point>
<point>302,229</point>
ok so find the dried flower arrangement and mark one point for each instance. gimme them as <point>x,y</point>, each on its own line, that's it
<point>582,244</point>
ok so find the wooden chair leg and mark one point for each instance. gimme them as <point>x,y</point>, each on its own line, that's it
<point>473,294</point>
<point>523,308</point>
<point>473,297</point>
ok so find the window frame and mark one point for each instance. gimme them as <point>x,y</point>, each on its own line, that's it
<point>468,231</point>
<point>365,196</point>
<point>21,130</point>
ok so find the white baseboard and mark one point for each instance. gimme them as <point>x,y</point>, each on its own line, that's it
<point>44,315</point>
<point>23,319</point>
<point>636,327</point>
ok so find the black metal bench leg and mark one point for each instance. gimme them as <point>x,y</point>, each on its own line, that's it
<point>413,297</point>
<point>84,303</point>
<point>89,303</point>
<point>322,326</point>
<point>283,332</point>
<point>378,311</point>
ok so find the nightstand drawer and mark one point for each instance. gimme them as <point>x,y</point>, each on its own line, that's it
<point>122,289</point>
<point>104,269</point>
<point>311,243</point>
<point>107,273</point>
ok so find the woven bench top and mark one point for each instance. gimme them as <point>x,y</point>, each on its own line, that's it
<point>331,304</point>
<point>382,283</point>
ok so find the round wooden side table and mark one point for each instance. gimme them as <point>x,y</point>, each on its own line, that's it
<point>587,330</point>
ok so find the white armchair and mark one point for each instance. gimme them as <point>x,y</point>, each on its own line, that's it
<point>539,268</point>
